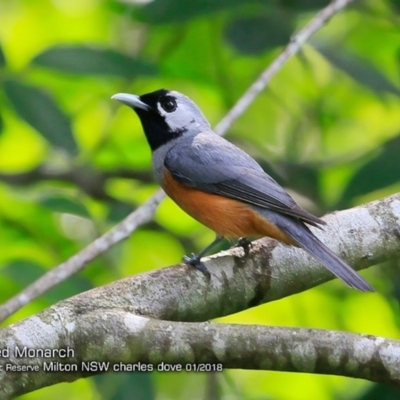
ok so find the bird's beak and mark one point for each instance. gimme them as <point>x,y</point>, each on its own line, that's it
<point>131,100</point>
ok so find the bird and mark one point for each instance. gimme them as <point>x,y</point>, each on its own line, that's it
<point>222,186</point>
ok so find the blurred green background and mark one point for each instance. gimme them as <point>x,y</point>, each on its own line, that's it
<point>73,163</point>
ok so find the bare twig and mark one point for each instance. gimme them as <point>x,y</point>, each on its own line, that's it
<point>144,213</point>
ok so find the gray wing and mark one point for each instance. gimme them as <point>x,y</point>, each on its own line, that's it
<point>212,164</point>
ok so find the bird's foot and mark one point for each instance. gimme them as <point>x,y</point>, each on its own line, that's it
<point>194,261</point>
<point>245,244</point>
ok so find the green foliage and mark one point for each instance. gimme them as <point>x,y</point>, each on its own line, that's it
<point>2,58</point>
<point>380,171</point>
<point>62,204</point>
<point>87,60</point>
<point>40,111</point>
<point>360,70</point>
<point>73,162</point>
<point>23,272</point>
<point>1,124</point>
<point>253,35</point>
<point>122,386</point>
<point>177,11</point>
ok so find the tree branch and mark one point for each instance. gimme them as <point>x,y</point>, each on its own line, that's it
<point>108,323</point>
<point>144,213</point>
<point>125,340</point>
<point>362,236</point>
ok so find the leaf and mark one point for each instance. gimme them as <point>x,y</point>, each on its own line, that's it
<point>2,58</point>
<point>396,5</point>
<point>120,385</point>
<point>118,211</point>
<point>63,204</point>
<point>304,5</point>
<point>254,35</point>
<point>69,288</point>
<point>87,60</point>
<point>25,271</point>
<point>1,124</point>
<point>303,178</point>
<point>40,111</point>
<point>299,177</point>
<point>381,391</point>
<point>170,11</point>
<point>361,70</point>
<point>381,171</point>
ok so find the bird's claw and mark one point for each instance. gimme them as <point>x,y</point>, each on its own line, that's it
<point>194,261</point>
<point>245,244</point>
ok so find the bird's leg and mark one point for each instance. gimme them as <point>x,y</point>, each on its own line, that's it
<point>244,243</point>
<point>194,260</point>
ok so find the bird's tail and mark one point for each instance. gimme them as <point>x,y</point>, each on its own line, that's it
<point>310,243</point>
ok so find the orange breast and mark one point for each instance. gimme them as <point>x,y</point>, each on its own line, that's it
<point>227,217</point>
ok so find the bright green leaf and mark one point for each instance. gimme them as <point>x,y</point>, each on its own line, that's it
<point>87,60</point>
<point>40,111</point>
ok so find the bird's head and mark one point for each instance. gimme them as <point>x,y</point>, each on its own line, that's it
<point>165,115</point>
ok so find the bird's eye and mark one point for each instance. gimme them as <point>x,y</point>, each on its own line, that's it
<point>168,104</point>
